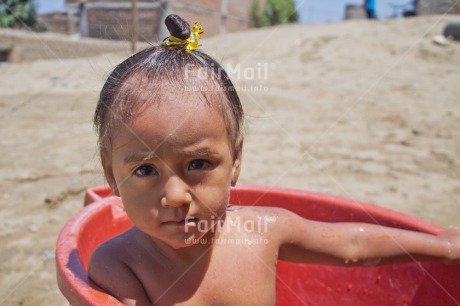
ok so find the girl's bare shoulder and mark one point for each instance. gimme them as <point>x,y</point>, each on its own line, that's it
<point>109,268</point>
<point>259,212</point>
<point>112,253</point>
<point>115,248</point>
<point>273,222</point>
<point>279,224</point>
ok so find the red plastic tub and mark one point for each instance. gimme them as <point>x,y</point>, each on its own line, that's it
<point>418,283</point>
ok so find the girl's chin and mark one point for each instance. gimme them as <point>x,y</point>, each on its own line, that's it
<point>178,239</point>
<point>187,242</point>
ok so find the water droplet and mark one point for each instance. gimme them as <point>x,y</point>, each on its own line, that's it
<point>349,286</point>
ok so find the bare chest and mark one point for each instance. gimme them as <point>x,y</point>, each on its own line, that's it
<point>232,275</point>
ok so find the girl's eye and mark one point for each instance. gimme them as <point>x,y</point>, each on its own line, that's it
<point>145,170</point>
<point>199,164</point>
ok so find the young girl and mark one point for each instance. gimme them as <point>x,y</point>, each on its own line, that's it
<point>169,123</point>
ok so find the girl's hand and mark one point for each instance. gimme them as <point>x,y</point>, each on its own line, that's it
<point>451,237</point>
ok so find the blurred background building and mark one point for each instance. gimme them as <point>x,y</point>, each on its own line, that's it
<point>428,7</point>
<point>111,19</point>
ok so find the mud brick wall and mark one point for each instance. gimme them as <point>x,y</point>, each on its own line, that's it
<point>428,7</point>
<point>57,22</point>
<point>115,23</point>
<point>111,19</point>
<point>217,16</point>
<point>21,46</point>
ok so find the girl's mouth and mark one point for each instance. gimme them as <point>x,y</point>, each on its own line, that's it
<point>181,222</point>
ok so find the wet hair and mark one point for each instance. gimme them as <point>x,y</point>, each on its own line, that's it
<point>161,73</point>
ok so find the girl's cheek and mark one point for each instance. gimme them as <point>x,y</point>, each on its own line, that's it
<point>141,212</point>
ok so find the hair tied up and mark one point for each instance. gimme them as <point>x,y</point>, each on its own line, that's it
<point>181,34</point>
<point>177,26</point>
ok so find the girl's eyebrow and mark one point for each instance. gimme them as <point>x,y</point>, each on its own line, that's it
<point>139,157</point>
<point>200,152</point>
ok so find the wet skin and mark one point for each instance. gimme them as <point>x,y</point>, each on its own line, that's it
<point>173,167</point>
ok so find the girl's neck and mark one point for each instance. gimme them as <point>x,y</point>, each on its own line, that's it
<point>197,250</point>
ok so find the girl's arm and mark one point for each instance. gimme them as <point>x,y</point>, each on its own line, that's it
<point>358,244</point>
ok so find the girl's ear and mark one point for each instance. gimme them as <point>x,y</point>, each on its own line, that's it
<point>237,158</point>
<point>108,171</point>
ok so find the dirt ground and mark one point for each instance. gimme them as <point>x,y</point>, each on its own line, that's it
<point>365,110</point>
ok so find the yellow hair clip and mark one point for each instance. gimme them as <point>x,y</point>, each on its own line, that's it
<point>192,42</point>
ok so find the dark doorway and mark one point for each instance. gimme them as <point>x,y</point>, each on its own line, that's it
<point>4,55</point>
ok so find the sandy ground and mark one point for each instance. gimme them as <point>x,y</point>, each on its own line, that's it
<point>365,110</point>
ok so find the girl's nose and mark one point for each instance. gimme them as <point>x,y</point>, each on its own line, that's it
<point>176,193</point>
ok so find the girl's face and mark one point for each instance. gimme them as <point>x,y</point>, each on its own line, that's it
<point>173,167</point>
